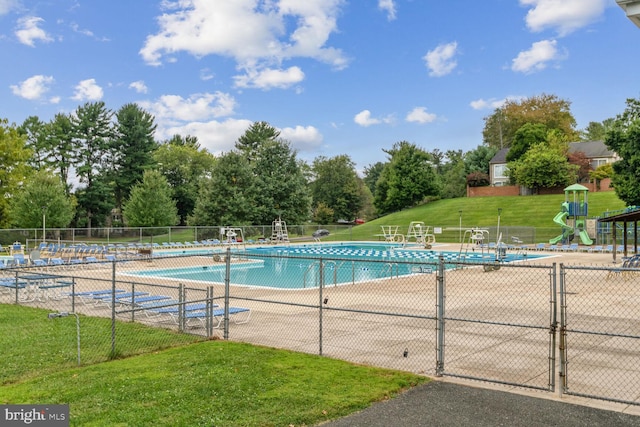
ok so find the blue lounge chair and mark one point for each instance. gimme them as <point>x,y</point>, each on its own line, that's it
<point>119,297</point>
<point>19,260</point>
<point>141,300</point>
<point>217,316</point>
<point>90,296</point>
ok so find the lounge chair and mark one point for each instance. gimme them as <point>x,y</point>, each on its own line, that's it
<point>19,260</point>
<point>119,298</point>
<point>39,262</point>
<point>90,296</point>
<point>141,300</point>
<point>217,316</point>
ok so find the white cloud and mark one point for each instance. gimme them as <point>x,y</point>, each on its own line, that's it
<point>257,37</point>
<point>174,109</point>
<point>440,60</point>
<point>87,90</point>
<point>270,78</point>
<point>139,86</point>
<point>28,31</point>
<point>33,88</point>
<point>206,74</point>
<point>7,6</point>
<point>215,136</point>
<point>420,115</point>
<point>537,57</point>
<point>485,104</point>
<point>302,138</point>
<point>389,7</point>
<point>493,103</point>
<point>363,118</point>
<point>565,16</point>
<point>86,32</point>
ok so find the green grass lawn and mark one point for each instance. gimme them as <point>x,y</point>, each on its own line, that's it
<point>209,383</point>
<point>529,211</point>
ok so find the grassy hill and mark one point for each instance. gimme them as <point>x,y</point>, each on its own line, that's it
<point>517,211</point>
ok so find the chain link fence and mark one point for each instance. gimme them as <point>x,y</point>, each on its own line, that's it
<point>600,332</point>
<point>425,311</point>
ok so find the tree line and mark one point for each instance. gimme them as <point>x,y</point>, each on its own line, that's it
<point>96,167</point>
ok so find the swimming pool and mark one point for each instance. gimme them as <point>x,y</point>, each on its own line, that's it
<point>298,267</point>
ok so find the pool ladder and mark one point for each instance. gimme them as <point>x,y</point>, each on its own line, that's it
<point>312,266</point>
<point>389,269</point>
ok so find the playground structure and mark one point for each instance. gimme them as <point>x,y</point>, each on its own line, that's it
<point>279,233</point>
<point>418,232</point>
<point>575,209</point>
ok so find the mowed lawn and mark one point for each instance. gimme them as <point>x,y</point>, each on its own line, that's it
<point>182,382</point>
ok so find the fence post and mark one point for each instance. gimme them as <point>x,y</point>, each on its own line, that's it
<point>73,293</point>
<point>227,281</point>
<point>320,288</point>
<point>440,292</point>
<point>553,326</point>
<point>113,309</point>
<point>562,346</point>
<point>181,307</point>
<point>209,311</point>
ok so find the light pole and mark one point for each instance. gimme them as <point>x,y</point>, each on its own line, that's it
<point>498,229</point>
<point>460,227</point>
<point>44,222</point>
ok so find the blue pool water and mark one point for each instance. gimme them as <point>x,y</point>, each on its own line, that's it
<point>290,267</point>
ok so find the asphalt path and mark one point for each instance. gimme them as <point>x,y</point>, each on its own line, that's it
<point>440,403</point>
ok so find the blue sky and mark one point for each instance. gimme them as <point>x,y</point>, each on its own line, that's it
<point>335,76</point>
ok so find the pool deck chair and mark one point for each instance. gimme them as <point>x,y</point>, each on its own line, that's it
<point>141,300</point>
<point>119,298</point>
<point>170,309</point>
<point>238,315</point>
<point>90,296</point>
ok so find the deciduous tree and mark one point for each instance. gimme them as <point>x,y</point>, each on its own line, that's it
<point>42,198</point>
<point>407,179</point>
<point>543,166</point>
<point>14,158</point>
<point>549,110</point>
<point>184,163</point>
<point>150,203</point>
<point>624,139</point>
<point>336,185</point>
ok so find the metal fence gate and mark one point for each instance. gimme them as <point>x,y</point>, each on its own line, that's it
<point>600,332</point>
<point>499,324</point>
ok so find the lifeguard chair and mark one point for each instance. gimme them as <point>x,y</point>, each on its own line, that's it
<point>279,231</point>
<point>421,233</point>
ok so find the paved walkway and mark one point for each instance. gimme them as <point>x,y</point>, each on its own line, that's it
<point>440,403</point>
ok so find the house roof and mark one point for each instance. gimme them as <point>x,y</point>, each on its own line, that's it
<point>500,157</point>
<point>591,150</point>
